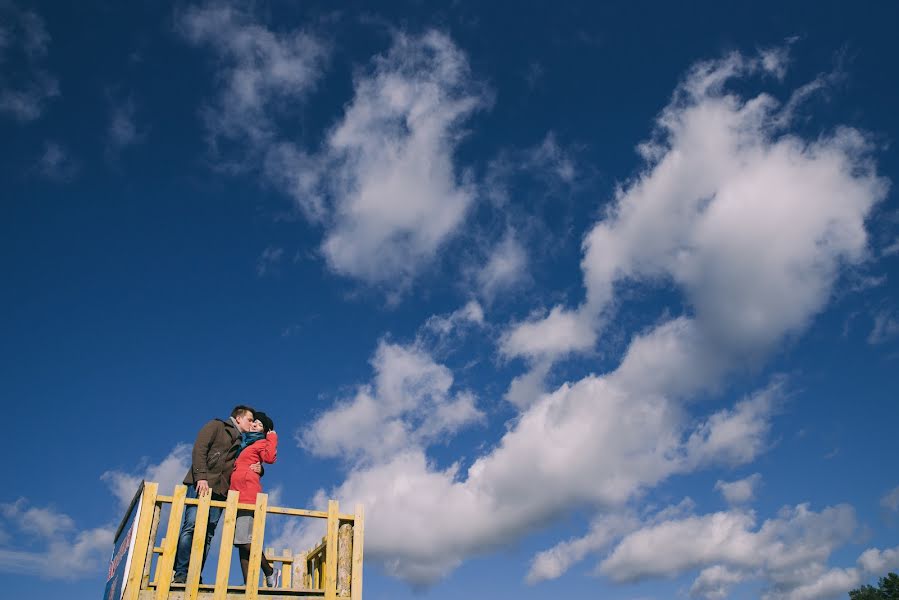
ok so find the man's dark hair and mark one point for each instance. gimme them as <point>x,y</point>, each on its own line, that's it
<point>240,409</point>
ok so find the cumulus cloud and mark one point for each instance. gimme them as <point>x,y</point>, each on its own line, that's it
<point>788,554</point>
<point>588,443</point>
<point>560,332</point>
<point>168,473</point>
<point>782,549</point>
<point>890,500</point>
<point>505,267</point>
<point>260,71</point>
<point>740,491</point>
<point>51,538</point>
<point>24,92</point>
<point>383,182</point>
<point>604,530</point>
<point>750,221</point>
<point>397,196</point>
<point>752,224</point>
<point>408,404</point>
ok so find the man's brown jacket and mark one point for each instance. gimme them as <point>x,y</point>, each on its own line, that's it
<point>213,455</point>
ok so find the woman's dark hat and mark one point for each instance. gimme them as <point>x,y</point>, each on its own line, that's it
<point>267,423</point>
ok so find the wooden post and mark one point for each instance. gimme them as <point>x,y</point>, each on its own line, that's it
<point>344,559</point>
<point>154,528</point>
<point>358,541</point>
<point>299,571</point>
<point>192,587</point>
<point>258,538</point>
<point>224,565</point>
<point>170,545</point>
<point>331,552</point>
<point>287,569</point>
<point>142,526</point>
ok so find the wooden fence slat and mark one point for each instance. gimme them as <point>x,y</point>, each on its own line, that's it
<point>358,540</point>
<point>192,588</point>
<point>227,542</point>
<point>166,562</point>
<point>151,547</point>
<point>141,541</point>
<point>287,569</point>
<point>331,551</point>
<point>256,544</point>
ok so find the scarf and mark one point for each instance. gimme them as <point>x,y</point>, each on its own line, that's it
<point>248,438</point>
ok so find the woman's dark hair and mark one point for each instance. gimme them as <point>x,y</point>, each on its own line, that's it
<point>267,423</point>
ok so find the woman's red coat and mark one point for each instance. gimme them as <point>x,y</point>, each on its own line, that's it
<point>243,479</point>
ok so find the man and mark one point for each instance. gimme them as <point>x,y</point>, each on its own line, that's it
<point>212,461</point>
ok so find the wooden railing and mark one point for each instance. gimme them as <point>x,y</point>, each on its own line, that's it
<point>331,570</point>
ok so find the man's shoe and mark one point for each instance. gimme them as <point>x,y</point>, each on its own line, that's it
<point>179,578</point>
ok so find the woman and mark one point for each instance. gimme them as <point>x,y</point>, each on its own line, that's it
<point>260,444</point>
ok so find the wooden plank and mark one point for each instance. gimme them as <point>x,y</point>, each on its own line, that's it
<point>236,593</point>
<point>330,566</point>
<point>166,562</point>
<point>358,541</point>
<point>151,549</point>
<point>286,568</point>
<point>227,541</point>
<point>258,539</point>
<point>300,512</point>
<point>141,541</point>
<point>194,570</point>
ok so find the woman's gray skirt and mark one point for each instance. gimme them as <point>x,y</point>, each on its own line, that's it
<point>243,530</point>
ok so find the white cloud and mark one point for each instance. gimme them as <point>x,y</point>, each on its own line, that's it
<point>408,404</point>
<point>782,549</point>
<point>269,260</point>
<point>122,130</point>
<point>552,563</point>
<point>383,183</point>
<point>587,443</point>
<point>24,32</point>
<point>559,333</point>
<point>41,522</point>
<point>72,553</point>
<point>443,326</point>
<point>753,226</point>
<point>167,473</point>
<point>715,582</point>
<point>550,157</point>
<point>396,194</point>
<point>740,491</point>
<point>260,71</point>
<point>876,561</point>
<point>505,267</point>
<point>750,222</point>
<point>56,163</point>
<point>525,389</point>
<point>736,436</point>
<point>886,327</point>
<point>890,501</point>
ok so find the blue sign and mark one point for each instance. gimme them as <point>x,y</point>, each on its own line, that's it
<point>123,548</point>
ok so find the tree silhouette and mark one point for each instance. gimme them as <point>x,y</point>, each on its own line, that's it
<point>887,589</point>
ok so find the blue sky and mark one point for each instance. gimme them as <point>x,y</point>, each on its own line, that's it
<point>575,299</point>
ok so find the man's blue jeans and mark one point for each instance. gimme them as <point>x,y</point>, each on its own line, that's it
<point>186,537</point>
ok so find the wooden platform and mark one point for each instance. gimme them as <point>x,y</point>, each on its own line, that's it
<point>142,564</point>
<point>235,592</point>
